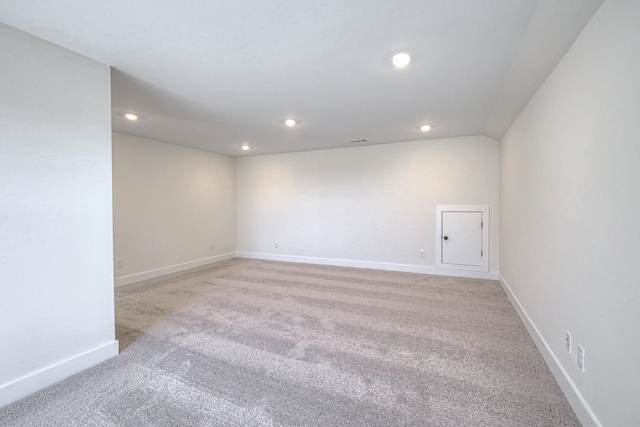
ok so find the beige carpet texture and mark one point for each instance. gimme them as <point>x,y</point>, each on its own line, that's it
<point>262,343</point>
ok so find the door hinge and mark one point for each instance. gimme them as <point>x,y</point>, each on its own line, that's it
<point>481,253</point>
<point>482,224</point>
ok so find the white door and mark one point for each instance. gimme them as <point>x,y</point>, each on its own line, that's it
<point>463,237</point>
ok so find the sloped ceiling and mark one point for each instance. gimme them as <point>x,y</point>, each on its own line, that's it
<point>216,74</point>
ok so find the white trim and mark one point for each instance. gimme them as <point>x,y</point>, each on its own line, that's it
<point>152,274</point>
<point>484,209</point>
<point>577,402</point>
<point>31,383</point>
<point>407,268</point>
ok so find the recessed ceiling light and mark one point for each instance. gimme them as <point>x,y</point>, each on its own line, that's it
<point>401,60</point>
<point>290,122</point>
<point>245,147</point>
<point>425,128</point>
<point>131,116</point>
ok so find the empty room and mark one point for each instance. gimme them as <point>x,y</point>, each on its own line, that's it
<point>279,213</point>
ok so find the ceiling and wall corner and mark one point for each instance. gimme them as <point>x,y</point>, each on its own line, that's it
<point>215,75</point>
<point>552,30</point>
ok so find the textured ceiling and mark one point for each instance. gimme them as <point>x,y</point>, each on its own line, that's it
<point>214,74</point>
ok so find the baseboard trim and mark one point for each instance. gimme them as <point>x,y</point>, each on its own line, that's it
<point>152,274</point>
<point>407,268</point>
<point>31,383</point>
<point>571,392</point>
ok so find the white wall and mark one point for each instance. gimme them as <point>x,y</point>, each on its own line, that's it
<point>374,204</point>
<point>170,204</point>
<point>571,212</point>
<point>56,279</point>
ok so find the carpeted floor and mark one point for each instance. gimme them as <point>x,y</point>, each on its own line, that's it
<point>261,343</point>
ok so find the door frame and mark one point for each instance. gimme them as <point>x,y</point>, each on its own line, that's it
<point>485,236</point>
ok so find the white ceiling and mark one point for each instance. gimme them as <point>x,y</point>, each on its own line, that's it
<point>214,74</point>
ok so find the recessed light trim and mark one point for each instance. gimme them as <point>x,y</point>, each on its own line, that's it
<point>425,128</point>
<point>290,122</point>
<point>131,116</point>
<point>401,60</point>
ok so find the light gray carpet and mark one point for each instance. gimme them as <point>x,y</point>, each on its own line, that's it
<point>259,343</point>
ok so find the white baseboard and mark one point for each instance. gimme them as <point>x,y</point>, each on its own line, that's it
<point>152,274</point>
<point>407,268</point>
<point>577,402</point>
<point>24,386</point>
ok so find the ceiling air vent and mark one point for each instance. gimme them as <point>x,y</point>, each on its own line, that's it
<point>355,141</point>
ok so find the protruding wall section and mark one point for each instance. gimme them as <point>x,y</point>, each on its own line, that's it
<point>56,284</point>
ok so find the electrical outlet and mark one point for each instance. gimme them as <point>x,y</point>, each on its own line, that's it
<point>580,357</point>
<point>421,253</point>
<point>567,342</point>
<point>118,263</point>
<point>212,246</point>
<point>276,245</point>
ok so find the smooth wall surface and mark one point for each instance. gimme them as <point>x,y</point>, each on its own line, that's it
<point>571,211</point>
<point>375,203</point>
<point>56,278</point>
<point>170,204</point>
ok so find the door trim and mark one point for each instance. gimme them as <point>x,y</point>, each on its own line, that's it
<point>485,236</point>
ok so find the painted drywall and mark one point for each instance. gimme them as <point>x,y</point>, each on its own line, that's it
<point>56,278</point>
<point>374,204</point>
<point>170,203</point>
<point>571,209</point>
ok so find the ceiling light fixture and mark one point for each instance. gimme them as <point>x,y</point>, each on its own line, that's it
<point>131,116</point>
<point>401,60</point>
<point>290,122</point>
<point>245,147</point>
<point>425,128</point>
